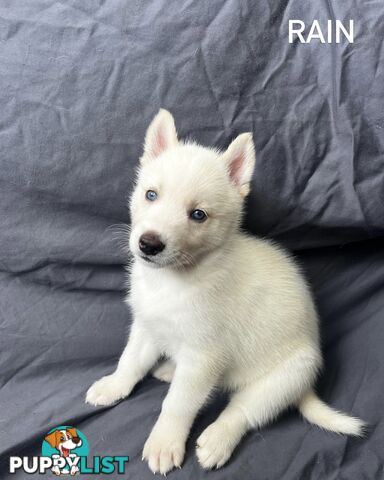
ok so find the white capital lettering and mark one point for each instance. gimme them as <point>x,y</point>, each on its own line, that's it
<point>315,27</point>
<point>14,464</point>
<point>298,31</point>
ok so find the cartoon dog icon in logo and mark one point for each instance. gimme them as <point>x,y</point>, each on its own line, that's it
<point>64,441</point>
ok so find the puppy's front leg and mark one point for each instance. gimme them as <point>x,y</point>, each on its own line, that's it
<point>193,380</point>
<point>137,359</point>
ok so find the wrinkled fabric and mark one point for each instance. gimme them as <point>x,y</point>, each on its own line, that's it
<point>80,81</point>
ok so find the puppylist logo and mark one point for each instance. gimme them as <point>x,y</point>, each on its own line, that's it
<point>65,451</point>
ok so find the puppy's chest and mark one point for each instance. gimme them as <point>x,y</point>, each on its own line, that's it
<point>165,308</point>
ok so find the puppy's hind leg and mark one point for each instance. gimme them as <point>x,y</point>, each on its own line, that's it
<point>165,370</point>
<point>254,406</point>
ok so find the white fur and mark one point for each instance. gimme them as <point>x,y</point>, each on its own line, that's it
<point>230,310</point>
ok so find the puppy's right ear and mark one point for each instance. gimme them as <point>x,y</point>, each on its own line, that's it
<point>161,135</point>
<point>52,439</point>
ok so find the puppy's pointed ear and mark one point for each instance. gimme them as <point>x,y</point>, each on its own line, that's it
<point>52,439</point>
<point>161,135</point>
<point>240,159</point>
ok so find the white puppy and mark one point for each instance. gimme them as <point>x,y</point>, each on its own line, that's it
<point>226,309</point>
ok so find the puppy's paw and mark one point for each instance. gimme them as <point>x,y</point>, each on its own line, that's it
<point>56,470</point>
<point>107,391</point>
<point>164,371</point>
<point>163,451</point>
<point>74,470</point>
<point>214,446</point>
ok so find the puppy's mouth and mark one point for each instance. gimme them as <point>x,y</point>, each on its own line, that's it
<point>154,262</point>
<point>173,261</point>
<point>65,451</point>
<point>147,259</point>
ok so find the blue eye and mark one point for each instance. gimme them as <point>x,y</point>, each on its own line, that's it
<point>198,215</point>
<point>151,195</point>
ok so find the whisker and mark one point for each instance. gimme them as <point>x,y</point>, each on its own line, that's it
<point>120,233</point>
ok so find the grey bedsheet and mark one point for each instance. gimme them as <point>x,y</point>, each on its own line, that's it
<point>80,80</point>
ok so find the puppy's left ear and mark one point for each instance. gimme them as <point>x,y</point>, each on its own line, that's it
<point>160,136</point>
<point>240,158</point>
<point>72,431</point>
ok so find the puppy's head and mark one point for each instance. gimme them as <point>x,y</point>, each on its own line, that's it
<point>188,199</point>
<point>64,440</point>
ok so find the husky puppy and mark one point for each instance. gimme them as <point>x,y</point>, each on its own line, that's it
<point>218,308</point>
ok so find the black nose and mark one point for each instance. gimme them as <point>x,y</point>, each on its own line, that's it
<point>150,243</point>
<point>75,440</point>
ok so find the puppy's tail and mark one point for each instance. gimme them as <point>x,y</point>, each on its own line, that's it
<point>317,412</point>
